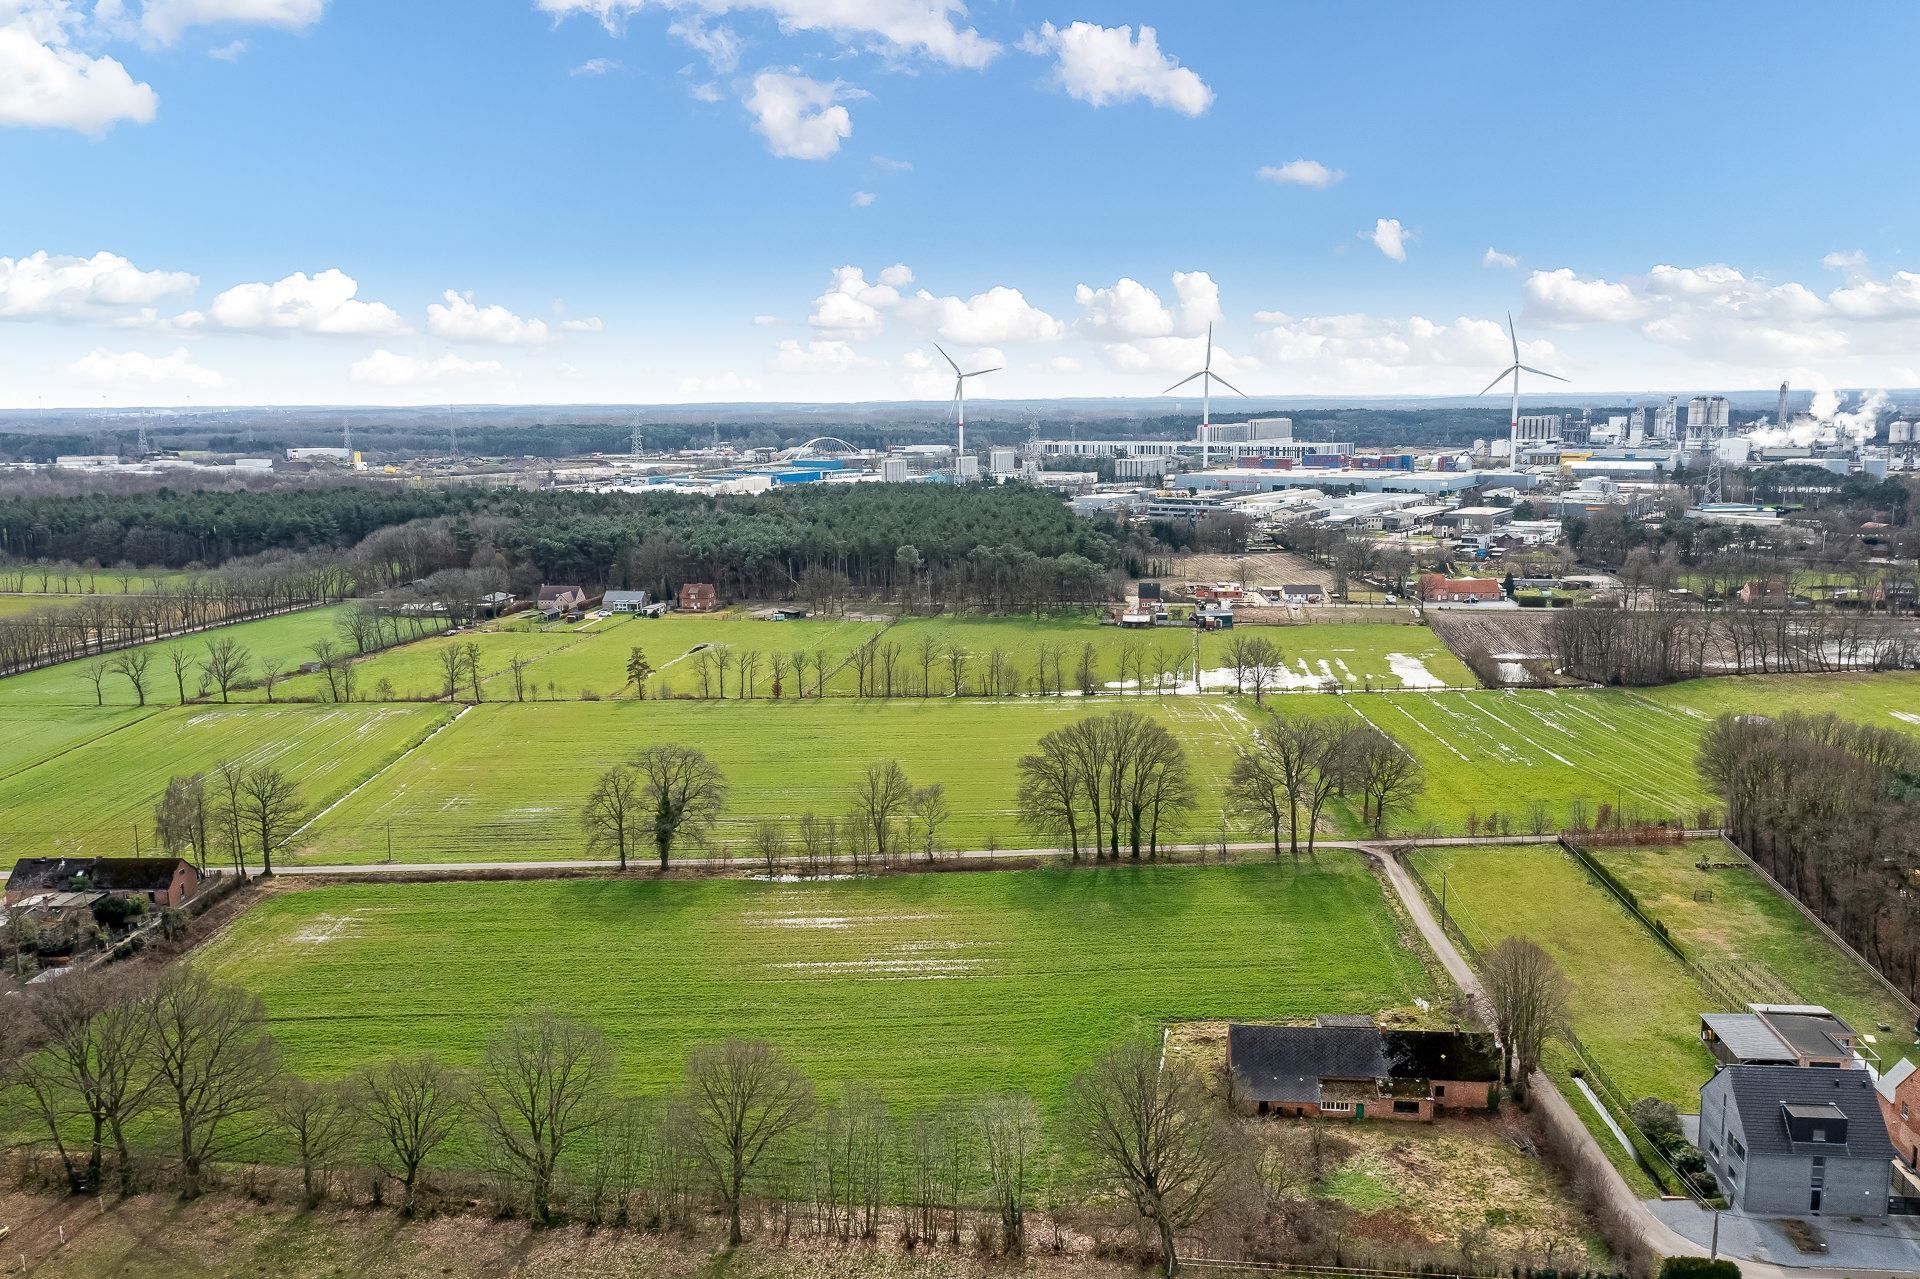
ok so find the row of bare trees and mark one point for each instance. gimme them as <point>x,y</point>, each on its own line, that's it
<point>230,813</point>
<point>1296,765</point>
<point>1106,781</point>
<point>172,1069</point>
<point>1828,807</point>
<point>100,624</point>
<point>1662,642</point>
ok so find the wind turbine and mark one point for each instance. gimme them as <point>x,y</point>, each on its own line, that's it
<point>1207,378</point>
<point>960,399</point>
<point>1516,368</point>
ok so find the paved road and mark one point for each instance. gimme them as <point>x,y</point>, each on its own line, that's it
<point>984,857</point>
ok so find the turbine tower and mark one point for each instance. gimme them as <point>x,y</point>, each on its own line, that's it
<point>1515,369</point>
<point>960,399</point>
<point>1207,378</point>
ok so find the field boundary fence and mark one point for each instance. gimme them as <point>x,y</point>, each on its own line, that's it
<point>1826,930</point>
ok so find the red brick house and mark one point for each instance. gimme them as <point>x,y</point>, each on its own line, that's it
<point>698,597</point>
<point>1899,1091</point>
<point>163,881</point>
<point>1771,592</point>
<point>1438,588</point>
<point>1348,1068</point>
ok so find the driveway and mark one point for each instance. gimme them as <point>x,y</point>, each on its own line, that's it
<point>1891,1246</point>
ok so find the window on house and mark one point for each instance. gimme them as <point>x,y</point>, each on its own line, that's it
<point>1739,1151</point>
<point>1406,1107</point>
<point>1439,1090</point>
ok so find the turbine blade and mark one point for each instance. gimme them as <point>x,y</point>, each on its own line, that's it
<point>1230,386</point>
<point>1499,378</point>
<point>1183,381</point>
<point>1209,363</point>
<point>1543,373</point>
<point>977,372</point>
<point>949,358</point>
<point>1514,337</point>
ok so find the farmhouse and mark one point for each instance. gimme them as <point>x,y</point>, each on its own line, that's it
<point>60,917</point>
<point>1437,588</point>
<point>1342,1066</point>
<point>698,597</point>
<point>1771,592</point>
<point>1779,1035</point>
<point>1788,1140</point>
<point>625,601</point>
<point>552,601</point>
<point>1304,593</point>
<point>163,881</point>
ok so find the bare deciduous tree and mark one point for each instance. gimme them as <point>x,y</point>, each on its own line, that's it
<point>413,1104</point>
<point>133,664</point>
<point>613,815</point>
<point>271,808</point>
<point>226,663</point>
<point>880,801</point>
<point>1153,1135</point>
<point>542,1082</point>
<point>1009,1137</point>
<point>1529,997</point>
<point>741,1098</point>
<point>319,1122</point>
<point>213,1064</point>
<point>1386,775</point>
<point>89,1074</point>
<point>681,793</point>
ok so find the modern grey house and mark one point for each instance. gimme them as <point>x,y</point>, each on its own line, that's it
<point>1797,1140</point>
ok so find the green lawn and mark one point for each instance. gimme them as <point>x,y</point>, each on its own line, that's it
<point>507,781</point>
<point>286,637</point>
<point>414,670</point>
<point>1754,940</point>
<point>1634,1006</point>
<point>925,986</point>
<point>94,797</point>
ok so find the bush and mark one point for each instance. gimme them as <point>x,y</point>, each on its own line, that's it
<point>112,913</point>
<point>1658,1119</point>
<point>1697,1268</point>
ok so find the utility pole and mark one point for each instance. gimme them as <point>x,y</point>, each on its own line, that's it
<point>633,442</point>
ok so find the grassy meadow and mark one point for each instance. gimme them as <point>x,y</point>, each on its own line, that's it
<point>507,780</point>
<point>91,799</point>
<point>1635,1007</point>
<point>1754,941</point>
<point>965,983</point>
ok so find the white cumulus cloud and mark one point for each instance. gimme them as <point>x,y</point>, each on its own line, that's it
<point>323,303</point>
<point>1495,258</point>
<point>1562,297</point>
<point>1390,238</point>
<point>1107,65</point>
<point>1849,260</point>
<point>42,285</point>
<point>828,356</point>
<point>459,319</point>
<point>137,368</point>
<point>930,27</point>
<point>385,368</point>
<point>166,20</point>
<point>862,199</point>
<point>851,306</point>
<point>1125,310</point>
<point>1001,314</point>
<point>1301,173</point>
<point>46,83</point>
<point>801,118</point>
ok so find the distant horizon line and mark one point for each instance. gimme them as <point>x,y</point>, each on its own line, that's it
<point>1277,401</point>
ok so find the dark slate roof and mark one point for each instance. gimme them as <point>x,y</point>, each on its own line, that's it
<point>1760,1091</point>
<point>1465,1057</point>
<point>1287,1063</point>
<point>1812,1034</point>
<point>46,874</point>
<point>133,874</point>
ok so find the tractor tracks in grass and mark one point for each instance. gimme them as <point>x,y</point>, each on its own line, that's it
<point>385,768</point>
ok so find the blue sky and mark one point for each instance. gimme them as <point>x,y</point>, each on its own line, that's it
<point>268,201</point>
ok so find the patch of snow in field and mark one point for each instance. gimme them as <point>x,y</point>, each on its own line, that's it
<point>324,928</point>
<point>1345,670</point>
<point>917,969</point>
<point>1412,672</point>
<point>1905,717</point>
<point>1513,673</point>
<point>835,921</point>
<point>1700,714</point>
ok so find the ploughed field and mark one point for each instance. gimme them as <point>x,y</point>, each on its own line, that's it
<point>924,986</point>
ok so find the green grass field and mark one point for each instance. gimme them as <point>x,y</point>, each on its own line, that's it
<point>30,735</point>
<point>507,781</point>
<point>1755,941</point>
<point>286,637</point>
<point>925,986</point>
<point>92,798</point>
<point>1634,1006</point>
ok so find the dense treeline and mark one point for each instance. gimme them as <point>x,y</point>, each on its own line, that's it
<point>139,1077</point>
<point>1007,545</point>
<point>1662,643</point>
<point>1828,807</point>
